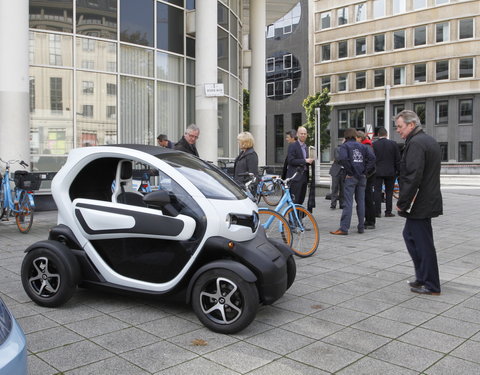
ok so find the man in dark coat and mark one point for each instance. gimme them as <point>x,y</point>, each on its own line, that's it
<point>387,166</point>
<point>420,200</point>
<point>188,140</point>
<point>338,179</point>
<point>297,156</point>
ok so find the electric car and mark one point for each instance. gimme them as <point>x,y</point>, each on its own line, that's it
<point>195,233</point>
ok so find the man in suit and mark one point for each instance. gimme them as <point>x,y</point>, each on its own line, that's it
<point>290,137</point>
<point>189,139</point>
<point>387,167</point>
<point>297,158</point>
<point>420,200</point>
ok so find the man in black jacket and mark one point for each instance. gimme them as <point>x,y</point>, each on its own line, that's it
<point>420,200</point>
<point>387,157</point>
<point>188,140</point>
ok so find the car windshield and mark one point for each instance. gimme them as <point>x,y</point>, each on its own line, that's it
<point>207,178</point>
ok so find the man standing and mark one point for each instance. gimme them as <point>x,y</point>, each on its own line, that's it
<point>188,140</point>
<point>387,167</point>
<point>297,157</point>
<point>290,137</point>
<point>338,178</point>
<point>420,200</point>
<point>358,160</point>
<point>369,200</point>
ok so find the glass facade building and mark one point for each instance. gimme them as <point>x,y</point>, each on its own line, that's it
<point>123,71</point>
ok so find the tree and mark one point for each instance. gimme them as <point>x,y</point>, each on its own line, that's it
<point>246,110</point>
<point>319,100</point>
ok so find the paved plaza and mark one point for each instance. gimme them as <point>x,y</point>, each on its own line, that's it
<point>349,311</point>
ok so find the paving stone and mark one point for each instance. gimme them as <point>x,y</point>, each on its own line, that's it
<point>280,341</point>
<point>433,340</point>
<point>340,315</point>
<point>366,305</point>
<point>288,367</point>
<point>139,314</point>
<point>383,327</point>
<point>404,315</point>
<point>35,323</point>
<point>97,326</point>
<point>169,326</point>
<point>36,366</point>
<point>325,357</point>
<point>463,314</point>
<point>71,312</point>
<point>356,340</point>
<point>46,339</point>
<point>451,365</point>
<point>470,351</point>
<point>110,366</point>
<point>372,366</point>
<point>329,297</point>
<point>276,317</point>
<point>242,357</point>
<point>301,305</point>
<point>312,327</point>
<point>197,366</point>
<point>452,327</point>
<point>125,340</point>
<point>202,340</point>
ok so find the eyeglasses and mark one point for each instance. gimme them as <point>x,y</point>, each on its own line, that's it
<point>192,136</point>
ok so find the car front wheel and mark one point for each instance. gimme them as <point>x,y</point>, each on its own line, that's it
<point>223,301</point>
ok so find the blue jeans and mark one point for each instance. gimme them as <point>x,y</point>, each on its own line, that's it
<point>353,187</point>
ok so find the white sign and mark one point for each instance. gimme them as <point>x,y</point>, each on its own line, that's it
<point>214,89</point>
<point>369,130</point>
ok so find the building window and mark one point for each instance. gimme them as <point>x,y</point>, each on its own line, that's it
<point>419,4</point>
<point>342,82</point>
<point>111,112</point>
<point>32,94</point>
<point>111,89</point>
<point>465,111</point>
<point>287,62</point>
<point>325,20</point>
<point>88,45</point>
<point>270,89</point>
<point>441,70</point>
<point>326,83</point>
<point>379,42</point>
<point>441,112</point>
<point>442,32</point>
<point>87,110</point>
<point>88,64</point>
<point>271,64</point>
<point>379,78</point>
<point>55,49</point>
<point>170,28</point>
<point>420,36</point>
<point>399,75</point>
<point>296,120</point>
<point>379,117</point>
<point>287,87</point>
<point>464,151</point>
<point>326,52</point>
<point>419,109</point>
<point>360,46</point>
<point>56,95</point>
<point>440,2</point>
<point>87,87</point>
<point>465,28</point>
<point>399,6</point>
<point>342,121</point>
<point>279,137</point>
<point>399,39</point>
<point>342,16</point>
<point>465,68</point>
<point>360,80</point>
<point>356,118</point>
<point>443,151</point>
<point>360,12</point>
<point>378,8</point>
<point>420,73</point>
<point>342,49</point>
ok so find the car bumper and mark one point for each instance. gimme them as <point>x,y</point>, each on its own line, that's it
<point>13,353</point>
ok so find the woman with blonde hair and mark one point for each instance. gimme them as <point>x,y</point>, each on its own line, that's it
<point>247,160</point>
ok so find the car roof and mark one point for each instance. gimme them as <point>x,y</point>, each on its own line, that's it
<point>152,150</point>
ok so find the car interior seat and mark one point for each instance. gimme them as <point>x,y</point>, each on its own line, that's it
<point>124,192</point>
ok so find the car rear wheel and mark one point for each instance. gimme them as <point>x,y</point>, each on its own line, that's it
<point>49,276</point>
<point>223,301</point>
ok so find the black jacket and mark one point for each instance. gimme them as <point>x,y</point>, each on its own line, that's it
<point>295,159</point>
<point>387,156</point>
<point>420,172</point>
<point>246,162</point>
<point>357,159</point>
<point>183,145</point>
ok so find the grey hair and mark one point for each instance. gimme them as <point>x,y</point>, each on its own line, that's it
<point>409,116</point>
<point>292,133</point>
<point>192,127</point>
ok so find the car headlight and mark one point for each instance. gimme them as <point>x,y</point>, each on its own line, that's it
<point>5,322</point>
<point>250,221</point>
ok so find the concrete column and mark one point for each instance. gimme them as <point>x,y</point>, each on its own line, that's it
<point>206,112</point>
<point>14,81</point>
<point>257,78</point>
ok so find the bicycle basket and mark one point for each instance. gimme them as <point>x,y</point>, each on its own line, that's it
<point>27,181</point>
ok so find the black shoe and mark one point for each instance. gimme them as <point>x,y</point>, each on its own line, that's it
<point>414,284</point>
<point>372,226</point>
<point>342,206</point>
<point>389,214</point>
<point>424,290</point>
<point>333,207</point>
<point>361,231</point>
<point>378,215</point>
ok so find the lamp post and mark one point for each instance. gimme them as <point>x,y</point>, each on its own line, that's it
<point>317,144</point>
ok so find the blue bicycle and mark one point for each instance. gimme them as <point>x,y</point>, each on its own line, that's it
<point>299,229</point>
<point>18,202</point>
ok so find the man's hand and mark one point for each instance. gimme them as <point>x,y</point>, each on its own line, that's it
<point>309,161</point>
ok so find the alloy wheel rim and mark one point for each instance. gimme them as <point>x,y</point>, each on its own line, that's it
<point>44,280</point>
<point>221,301</point>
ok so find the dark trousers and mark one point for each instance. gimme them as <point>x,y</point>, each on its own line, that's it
<point>298,188</point>
<point>337,190</point>
<point>418,236</point>
<point>389,182</point>
<point>369,203</point>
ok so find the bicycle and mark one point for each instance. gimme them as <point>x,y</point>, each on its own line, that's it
<point>18,202</point>
<point>302,224</point>
<point>268,188</point>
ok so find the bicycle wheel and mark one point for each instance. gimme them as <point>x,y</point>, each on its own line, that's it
<point>272,192</point>
<point>275,225</point>
<point>305,242</point>
<point>24,214</point>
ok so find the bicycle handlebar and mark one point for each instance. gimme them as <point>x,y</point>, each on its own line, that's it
<point>8,162</point>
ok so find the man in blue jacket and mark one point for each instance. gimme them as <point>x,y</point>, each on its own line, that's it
<point>420,200</point>
<point>358,161</point>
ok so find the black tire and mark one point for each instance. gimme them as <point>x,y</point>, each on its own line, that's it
<point>214,294</point>
<point>49,276</point>
<point>291,271</point>
<point>24,214</point>
<point>272,192</point>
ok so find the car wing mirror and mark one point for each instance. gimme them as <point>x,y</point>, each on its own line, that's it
<point>161,199</point>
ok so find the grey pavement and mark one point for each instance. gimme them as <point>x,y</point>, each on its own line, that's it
<point>349,311</point>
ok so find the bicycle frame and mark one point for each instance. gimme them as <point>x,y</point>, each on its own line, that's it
<point>8,202</point>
